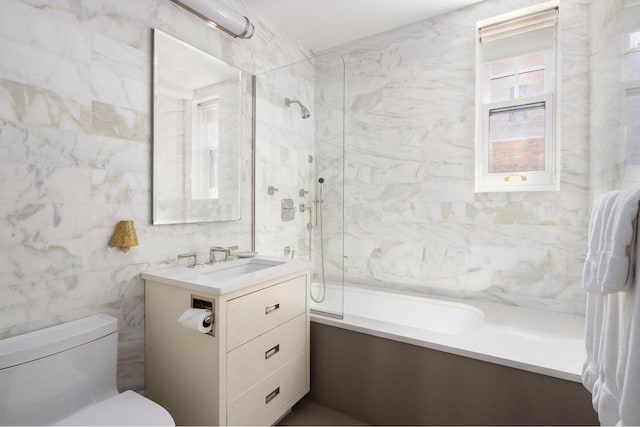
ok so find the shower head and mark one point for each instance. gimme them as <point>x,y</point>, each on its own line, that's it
<point>304,111</point>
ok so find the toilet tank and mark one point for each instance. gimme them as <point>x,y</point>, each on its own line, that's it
<point>48,374</point>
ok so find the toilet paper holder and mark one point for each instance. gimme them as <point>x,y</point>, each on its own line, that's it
<point>207,304</point>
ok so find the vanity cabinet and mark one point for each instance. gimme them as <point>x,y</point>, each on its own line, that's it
<point>250,370</point>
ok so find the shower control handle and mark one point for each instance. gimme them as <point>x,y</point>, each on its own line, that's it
<point>303,192</point>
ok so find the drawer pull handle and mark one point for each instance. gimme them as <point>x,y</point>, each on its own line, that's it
<point>272,351</point>
<point>271,308</point>
<point>271,396</point>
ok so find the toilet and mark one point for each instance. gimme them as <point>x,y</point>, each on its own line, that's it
<point>66,375</point>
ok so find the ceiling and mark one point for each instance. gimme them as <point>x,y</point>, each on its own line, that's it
<point>324,24</point>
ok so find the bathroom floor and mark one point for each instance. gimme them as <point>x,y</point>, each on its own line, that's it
<point>308,413</point>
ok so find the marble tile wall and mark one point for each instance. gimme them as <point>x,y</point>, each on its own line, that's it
<point>289,151</point>
<point>329,154</point>
<point>284,142</point>
<point>412,219</point>
<point>75,158</point>
<point>613,165</point>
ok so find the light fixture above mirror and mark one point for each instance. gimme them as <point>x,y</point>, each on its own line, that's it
<point>219,16</point>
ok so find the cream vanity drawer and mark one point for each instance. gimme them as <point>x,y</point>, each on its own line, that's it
<point>270,398</point>
<point>250,363</point>
<point>251,315</point>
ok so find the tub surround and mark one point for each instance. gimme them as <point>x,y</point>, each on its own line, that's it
<point>75,143</point>
<point>386,382</point>
<point>426,361</point>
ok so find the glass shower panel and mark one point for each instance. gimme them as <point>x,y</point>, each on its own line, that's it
<point>299,171</point>
<point>327,290</point>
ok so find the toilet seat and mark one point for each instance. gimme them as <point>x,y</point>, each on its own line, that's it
<point>128,408</point>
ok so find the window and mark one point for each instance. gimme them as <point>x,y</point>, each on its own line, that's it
<point>516,138</point>
<point>204,151</point>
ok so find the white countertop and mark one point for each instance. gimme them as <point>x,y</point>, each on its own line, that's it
<point>203,279</point>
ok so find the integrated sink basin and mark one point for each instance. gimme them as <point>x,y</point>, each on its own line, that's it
<point>230,271</point>
<point>226,276</point>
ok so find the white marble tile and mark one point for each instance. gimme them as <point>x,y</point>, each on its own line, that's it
<point>283,143</point>
<point>608,119</point>
<point>32,26</point>
<point>56,73</point>
<point>22,183</point>
<point>121,75</point>
<point>102,152</point>
<point>117,186</point>
<point>120,122</point>
<point>41,260</point>
<point>36,106</point>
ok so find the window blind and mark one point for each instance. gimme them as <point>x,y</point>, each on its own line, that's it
<point>517,26</point>
<point>518,35</point>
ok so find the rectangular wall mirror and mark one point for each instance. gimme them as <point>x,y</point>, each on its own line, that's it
<point>196,134</point>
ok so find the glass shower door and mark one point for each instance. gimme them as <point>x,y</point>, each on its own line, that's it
<point>299,172</point>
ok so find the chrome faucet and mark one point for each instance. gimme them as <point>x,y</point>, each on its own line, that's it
<point>193,255</point>
<point>289,252</point>
<point>226,251</point>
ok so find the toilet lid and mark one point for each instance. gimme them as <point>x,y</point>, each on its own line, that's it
<point>128,408</point>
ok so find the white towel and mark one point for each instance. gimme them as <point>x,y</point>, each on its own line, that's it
<point>613,263</point>
<point>600,214</point>
<point>591,370</point>
<point>612,369</point>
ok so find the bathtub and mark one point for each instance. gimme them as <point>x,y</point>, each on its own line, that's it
<point>541,342</point>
